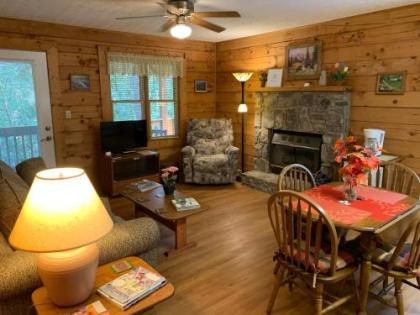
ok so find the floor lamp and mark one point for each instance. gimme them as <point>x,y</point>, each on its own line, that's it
<point>242,109</point>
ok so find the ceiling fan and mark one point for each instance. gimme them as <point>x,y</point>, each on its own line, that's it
<point>180,13</point>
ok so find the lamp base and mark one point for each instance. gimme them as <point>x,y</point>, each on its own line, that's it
<point>69,276</point>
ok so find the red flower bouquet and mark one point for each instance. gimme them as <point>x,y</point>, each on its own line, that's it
<point>357,161</point>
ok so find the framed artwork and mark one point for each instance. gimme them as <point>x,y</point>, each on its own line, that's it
<point>303,61</point>
<point>80,82</point>
<point>200,86</point>
<point>391,82</point>
<point>274,78</point>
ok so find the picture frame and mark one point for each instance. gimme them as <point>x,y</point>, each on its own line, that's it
<point>391,83</point>
<point>200,86</point>
<point>274,77</point>
<point>303,61</point>
<point>79,82</point>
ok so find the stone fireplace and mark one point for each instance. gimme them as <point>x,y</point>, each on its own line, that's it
<point>296,127</point>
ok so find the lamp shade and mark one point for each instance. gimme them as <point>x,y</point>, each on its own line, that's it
<point>61,212</point>
<point>242,108</point>
<point>242,76</point>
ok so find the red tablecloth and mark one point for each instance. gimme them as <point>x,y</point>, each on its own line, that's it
<point>379,205</point>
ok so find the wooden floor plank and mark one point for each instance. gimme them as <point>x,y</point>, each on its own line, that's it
<point>230,269</point>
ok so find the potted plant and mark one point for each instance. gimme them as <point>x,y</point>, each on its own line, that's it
<point>340,73</point>
<point>357,162</point>
<point>262,76</point>
<point>168,177</point>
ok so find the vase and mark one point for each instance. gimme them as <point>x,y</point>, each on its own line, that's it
<point>169,188</point>
<point>350,188</point>
<point>338,82</point>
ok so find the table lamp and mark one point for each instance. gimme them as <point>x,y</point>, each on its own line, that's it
<point>242,109</point>
<point>61,219</point>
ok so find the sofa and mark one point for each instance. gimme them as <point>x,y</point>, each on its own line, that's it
<point>210,157</point>
<point>138,237</point>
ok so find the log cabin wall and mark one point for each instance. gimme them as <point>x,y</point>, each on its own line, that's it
<point>377,42</point>
<point>76,50</point>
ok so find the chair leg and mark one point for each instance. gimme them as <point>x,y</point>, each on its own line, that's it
<point>399,297</point>
<point>319,291</point>
<point>356,291</point>
<point>273,296</point>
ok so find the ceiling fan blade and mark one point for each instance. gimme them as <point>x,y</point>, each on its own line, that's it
<point>139,17</point>
<point>169,8</point>
<point>217,14</point>
<point>167,25</point>
<point>205,24</point>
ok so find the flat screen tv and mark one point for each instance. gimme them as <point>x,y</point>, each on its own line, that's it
<point>121,136</point>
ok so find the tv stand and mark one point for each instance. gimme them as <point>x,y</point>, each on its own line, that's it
<point>119,170</point>
<point>129,151</point>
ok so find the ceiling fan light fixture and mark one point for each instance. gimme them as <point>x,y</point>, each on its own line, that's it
<point>181,31</point>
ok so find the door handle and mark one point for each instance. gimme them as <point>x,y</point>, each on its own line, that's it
<point>47,138</point>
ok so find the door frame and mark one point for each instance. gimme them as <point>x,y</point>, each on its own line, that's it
<point>50,48</point>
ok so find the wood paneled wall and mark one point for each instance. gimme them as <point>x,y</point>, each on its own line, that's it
<point>74,50</point>
<point>370,43</point>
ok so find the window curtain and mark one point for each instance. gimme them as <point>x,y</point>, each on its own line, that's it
<point>144,65</point>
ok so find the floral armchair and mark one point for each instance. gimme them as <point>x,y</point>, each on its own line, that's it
<point>209,157</point>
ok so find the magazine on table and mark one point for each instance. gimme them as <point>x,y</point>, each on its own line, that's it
<point>146,185</point>
<point>131,287</point>
<point>185,204</point>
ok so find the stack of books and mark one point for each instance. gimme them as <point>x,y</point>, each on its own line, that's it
<point>185,204</point>
<point>131,287</point>
<point>146,185</point>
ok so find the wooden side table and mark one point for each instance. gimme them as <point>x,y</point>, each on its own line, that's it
<point>104,274</point>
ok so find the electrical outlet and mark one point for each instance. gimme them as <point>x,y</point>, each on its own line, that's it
<point>68,114</point>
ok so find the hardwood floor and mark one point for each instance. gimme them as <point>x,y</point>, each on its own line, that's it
<point>230,270</point>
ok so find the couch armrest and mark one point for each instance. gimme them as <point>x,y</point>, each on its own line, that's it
<point>128,238</point>
<point>188,153</point>
<point>232,151</point>
<point>18,274</point>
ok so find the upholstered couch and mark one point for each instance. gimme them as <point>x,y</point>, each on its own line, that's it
<point>210,157</point>
<point>18,276</point>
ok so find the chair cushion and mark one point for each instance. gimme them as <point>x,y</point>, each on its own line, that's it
<point>211,163</point>
<point>383,254</point>
<point>344,259</point>
<point>13,191</point>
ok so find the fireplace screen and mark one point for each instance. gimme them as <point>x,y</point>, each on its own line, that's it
<point>287,147</point>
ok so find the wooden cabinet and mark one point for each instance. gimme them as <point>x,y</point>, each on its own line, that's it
<point>119,170</point>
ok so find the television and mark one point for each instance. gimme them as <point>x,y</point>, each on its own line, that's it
<point>122,136</point>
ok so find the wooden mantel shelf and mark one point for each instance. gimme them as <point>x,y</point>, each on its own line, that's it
<point>306,89</point>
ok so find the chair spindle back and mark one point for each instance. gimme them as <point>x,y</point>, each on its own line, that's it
<point>400,178</point>
<point>296,177</point>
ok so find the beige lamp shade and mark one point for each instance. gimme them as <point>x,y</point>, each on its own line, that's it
<point>242,108</point>
<point>61,212</point>
<point>242,76</point>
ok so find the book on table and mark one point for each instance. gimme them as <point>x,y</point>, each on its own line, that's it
<point>131,287</point>
<point>146,185</point>
<point>185,204</point>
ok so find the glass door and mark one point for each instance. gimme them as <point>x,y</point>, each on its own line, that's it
<point>25,109</point>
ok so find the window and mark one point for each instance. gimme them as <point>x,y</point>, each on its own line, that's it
<point>140,86</point>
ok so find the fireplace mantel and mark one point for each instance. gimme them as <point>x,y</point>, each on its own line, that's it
<point>306,89</point>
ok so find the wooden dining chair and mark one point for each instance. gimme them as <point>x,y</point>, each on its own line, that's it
<point>401,262</point>
<point>305,254</point>
<point>399,178</point>
<point>295,177</point>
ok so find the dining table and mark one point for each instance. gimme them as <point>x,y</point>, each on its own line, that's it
<point>374,211</point>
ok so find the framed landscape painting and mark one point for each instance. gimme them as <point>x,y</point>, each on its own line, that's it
<point>391,83</point>
<point>80,82</point>
<point>303,61</point>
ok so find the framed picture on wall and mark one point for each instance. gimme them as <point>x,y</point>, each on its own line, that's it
<point>200,86</point>
<point>79,82</point>
<point>303,61</point>
<point>391,82</point>
<point>274,78</point>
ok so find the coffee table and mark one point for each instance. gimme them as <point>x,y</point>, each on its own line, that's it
<point>104,274</point>
<point>157,205</point>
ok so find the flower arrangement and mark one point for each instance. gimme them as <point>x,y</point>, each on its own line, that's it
<point>358,160</point>
<point>340,73</point>
<point>168,177</point>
